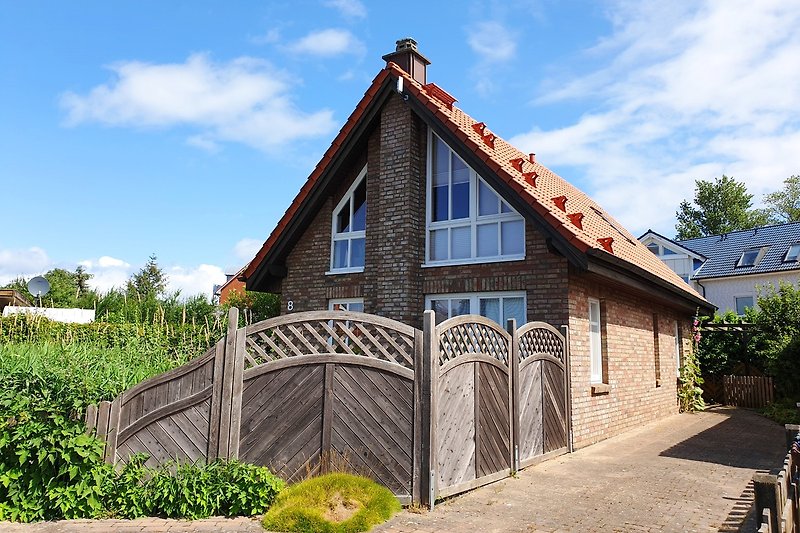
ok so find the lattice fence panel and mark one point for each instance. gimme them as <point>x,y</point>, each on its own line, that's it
<point>349,334</point>
<point>541,341</point>
<point>472,337</point>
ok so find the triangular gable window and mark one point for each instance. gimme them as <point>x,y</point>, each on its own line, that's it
<point>350,228</point>
<point>467,221</point>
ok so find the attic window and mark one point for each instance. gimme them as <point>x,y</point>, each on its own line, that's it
<point>654,248</point>
<point>793,254</point>
<point>749,257</point>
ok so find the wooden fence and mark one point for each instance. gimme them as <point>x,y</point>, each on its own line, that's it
<point>778,496</point>
<point>427,413</point>
<point>748,391</point>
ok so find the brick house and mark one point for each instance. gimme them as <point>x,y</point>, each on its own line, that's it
<point>460,221</point>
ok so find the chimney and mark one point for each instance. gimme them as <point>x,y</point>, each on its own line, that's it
<point>409,59</point>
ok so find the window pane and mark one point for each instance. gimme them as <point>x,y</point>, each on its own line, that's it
<point>357,307</point>
<point>487,200</point>
<point>459,306</point>
<point>356,252</point>
<point>460,242</point>
<point>653,248</point>
<point>441,310</point>
<point>460,170</point>
<point>793,253</point>
<point>439,203</point>
<point>513,237</point>
<point>504,207</point>
<point>514,308</point>
<point>487,240</point>
<point>340,253</point>
<point>343,218</point>
<point>360,207</point>
<point>490,308</point>
<point>441,154</point>
<point>743,303</point>
<point>667,251</point>
<point>438,244</point>
<point>460,200</point>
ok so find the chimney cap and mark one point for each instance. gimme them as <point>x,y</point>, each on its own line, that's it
<point>406,45</point>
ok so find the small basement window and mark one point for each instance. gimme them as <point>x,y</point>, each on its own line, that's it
<point>749,257</point>
<point>793,253</point>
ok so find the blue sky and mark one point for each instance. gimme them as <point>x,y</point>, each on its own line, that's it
<point>185,129</point>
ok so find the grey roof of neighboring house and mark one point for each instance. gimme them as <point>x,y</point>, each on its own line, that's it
<point>723,251</point>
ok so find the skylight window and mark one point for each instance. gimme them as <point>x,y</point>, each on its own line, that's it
<point>793,254</point>
<point>749,257</point>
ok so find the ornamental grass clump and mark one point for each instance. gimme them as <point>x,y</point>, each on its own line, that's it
<point>332,503</point>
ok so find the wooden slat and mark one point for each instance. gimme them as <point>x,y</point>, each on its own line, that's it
<point>531,440</point>
<point>456,426</point>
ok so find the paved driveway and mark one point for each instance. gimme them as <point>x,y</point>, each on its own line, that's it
<point>684,473</point>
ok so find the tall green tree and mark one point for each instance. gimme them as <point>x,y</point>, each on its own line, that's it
<point>150,282</point>
<point>67,289</point>
<point>719,206</point>
<point>784,205</point>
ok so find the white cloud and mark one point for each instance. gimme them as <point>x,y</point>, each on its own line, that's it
<point>247,248</point>
<point>112,262</point>
<point>348,8</point>
<point>329,42</point>
<point>687,92</point>
<point>24,263</point>
<point>195,280</point>
<point>272,36</point>
<point>245,100</point>
<point>492,41</point>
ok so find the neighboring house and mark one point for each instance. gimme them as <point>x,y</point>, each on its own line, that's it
<point>12,297</point>
<point>232,284</point>
<point>418,206</point>
<point>730,269</point>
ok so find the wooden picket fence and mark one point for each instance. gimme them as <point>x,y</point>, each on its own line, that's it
<point>428,413</point>
<point>748,391</point>
<point>778,496</point>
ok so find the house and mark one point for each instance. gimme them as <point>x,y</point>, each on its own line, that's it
<point>730,269</point>
<point>232,284</point>
<point>416,206</point>
<point>12,297</point>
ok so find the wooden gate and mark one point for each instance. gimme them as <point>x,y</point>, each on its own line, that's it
<point>541,393</point>
<point>472,404</point>
<point>331,386</point>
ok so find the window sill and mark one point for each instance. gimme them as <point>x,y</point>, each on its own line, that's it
<point>600,388</point>
<point>473,261</point>
<point>344,271</point>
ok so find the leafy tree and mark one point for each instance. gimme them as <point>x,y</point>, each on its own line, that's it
<point>150,282</point>
<point>254,306</point>
<point>721,206</point>
<point>67,289</point>
<point>779,335</point>
<point>784,205</point>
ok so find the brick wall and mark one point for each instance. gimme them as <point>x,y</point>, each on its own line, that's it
<point>633,398</point>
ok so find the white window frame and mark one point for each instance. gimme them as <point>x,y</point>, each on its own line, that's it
<point>595,343</point>
<point>350,235</point>
<point>759,250</point>
<point>333,302</point>
<point>792,258</point>
<point>677,348</point>
<point>472,221</point>
<point>475,301</point>
<point>736,299</point>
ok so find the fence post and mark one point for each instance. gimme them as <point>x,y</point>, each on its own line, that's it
<point>791,433</point>
<point>418,473</point>
<point>113,427</point>
<point>216,401</point>
<point>765,487</point>
<point>236,393</point>
<point>513,362</point>
<point>91,418</point>
<point>429,376</point>
<point>568,389</point>
<point>227,386</point>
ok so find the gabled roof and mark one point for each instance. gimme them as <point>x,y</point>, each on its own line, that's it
<point>724,251</point>
<point>581,226</point>
<point>674,245</point>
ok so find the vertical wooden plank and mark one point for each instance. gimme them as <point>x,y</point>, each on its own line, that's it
<point>216,400</point>
<point>91,418</point>
<point>567,388</point>
<point>113,429</point>
<point>511,327</point>
<point>227,385</point>
<point>327,418</point>
<point>236,394</point>
<point>476,414</point>
<point>429,377</point>
<point>417,461</point>
<point>103,412</point>
<point>764,486</point>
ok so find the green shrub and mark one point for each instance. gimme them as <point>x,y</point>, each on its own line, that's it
<point>783,412</point>
<point>226,488</point>
<point>49,468</point>
<point>333,503</point>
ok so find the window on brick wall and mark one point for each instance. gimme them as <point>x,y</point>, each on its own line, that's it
<point>467,221</point>
<point>595,341</point>
<point>349,228</point>
<point>347,304</point>
<point>497,306</point>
